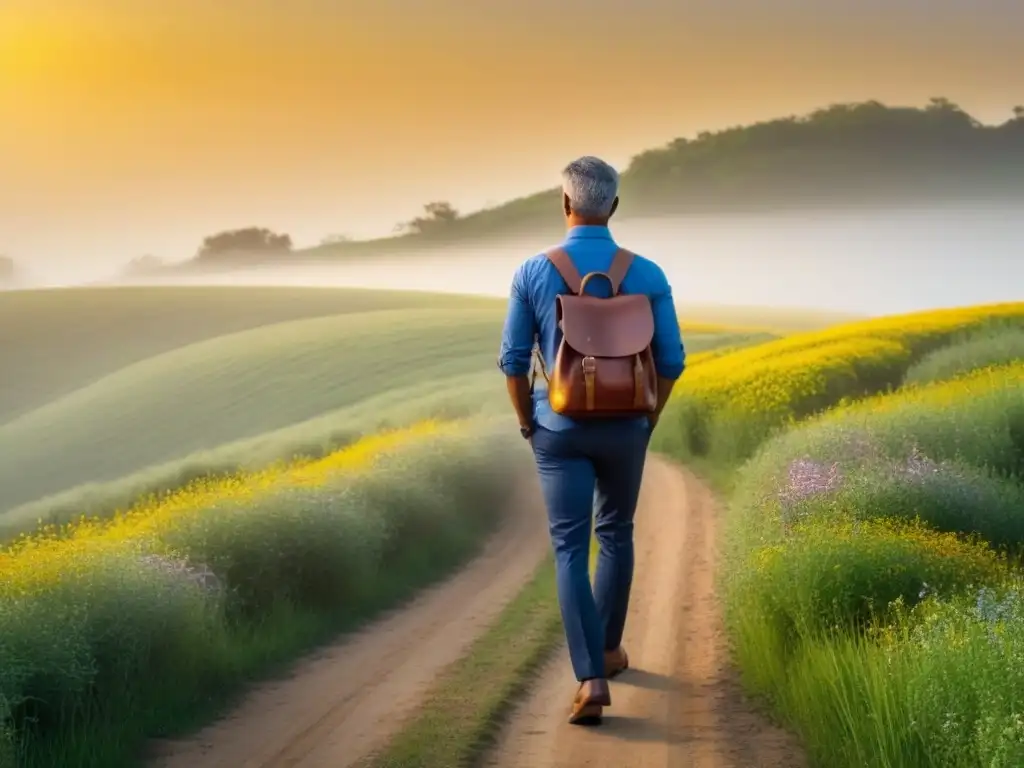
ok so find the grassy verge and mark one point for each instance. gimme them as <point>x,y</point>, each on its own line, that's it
<point>870,577</point>
<point>465,708</point>
<point>998,345</point>
<point>48,478</point>
<point>468,703</point>
<point>311,439</point>
<point>729,404</point>
<point>115,634</point>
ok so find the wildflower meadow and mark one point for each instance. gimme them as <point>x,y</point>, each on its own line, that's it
<point>871,578</point>
<point>116,629</point>
<point>871,572</point>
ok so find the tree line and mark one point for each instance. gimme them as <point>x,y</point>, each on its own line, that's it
<point>864,150</point>
<point>861,151</point>
<point>844,152</point>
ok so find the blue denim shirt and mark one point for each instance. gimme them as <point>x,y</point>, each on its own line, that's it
<point>531,313</point>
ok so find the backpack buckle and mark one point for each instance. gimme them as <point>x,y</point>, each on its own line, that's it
<point>589,364</point>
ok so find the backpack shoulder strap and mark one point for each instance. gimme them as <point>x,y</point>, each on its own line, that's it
<point>566,268</point>
<point>621,262</point>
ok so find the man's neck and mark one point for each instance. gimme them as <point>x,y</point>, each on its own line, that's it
<point>572,220</point>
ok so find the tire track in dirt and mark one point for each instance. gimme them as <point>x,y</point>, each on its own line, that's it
<point>680,704</point>
<point>344,702</point>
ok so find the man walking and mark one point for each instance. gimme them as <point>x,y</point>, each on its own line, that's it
<point>610,351</point>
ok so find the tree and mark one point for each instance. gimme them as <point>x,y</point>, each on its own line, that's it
<point>244,245</point>
<point>1018,112</point>
<point>6,269</point>
<point>336,239</point>
<point>941,104</point>
<point>439,215</point>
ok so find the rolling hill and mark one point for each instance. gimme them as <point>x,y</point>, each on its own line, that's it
<point>137,388</point>
<point>55,341</point>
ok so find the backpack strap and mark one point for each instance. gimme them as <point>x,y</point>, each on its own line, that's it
<point>537,366</point>
<point>561,261</point>
<point>621,263</point>
<point>566,269</point>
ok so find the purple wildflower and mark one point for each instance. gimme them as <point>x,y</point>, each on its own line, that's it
<point>917,465</point>
<point>200,575</point>
<point>808,478</point>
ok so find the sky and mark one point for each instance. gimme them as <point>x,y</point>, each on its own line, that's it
<point>139,126</point>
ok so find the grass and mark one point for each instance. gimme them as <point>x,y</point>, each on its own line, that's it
<point>235,387</point>
<point>453,399</point>
<point>54,342</point>
<point>111,633</point>
<point>466,706</point>
<point>229,401</point>
<point>990,346</point>
<point>730,404</point>
<point>871,552</point>
<point>247,507</point>
<point>470,701</point>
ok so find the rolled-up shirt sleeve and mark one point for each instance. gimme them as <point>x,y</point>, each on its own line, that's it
<point>517,339</point>
<point>667,345</point>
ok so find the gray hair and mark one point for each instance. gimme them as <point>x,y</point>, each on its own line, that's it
<point>591,186</point>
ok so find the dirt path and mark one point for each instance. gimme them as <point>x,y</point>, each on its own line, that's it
<point>680,704</point>
<point>340,705</point>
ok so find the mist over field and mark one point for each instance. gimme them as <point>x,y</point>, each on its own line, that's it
<point>856,260</point>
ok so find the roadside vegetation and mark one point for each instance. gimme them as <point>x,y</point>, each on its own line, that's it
<point>872,547</point>
<point>139,625</point>
<point>186,507</point>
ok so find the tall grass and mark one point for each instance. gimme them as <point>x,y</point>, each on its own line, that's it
<point>871,549</point>
<point>997,345</point>
<point>729,404</point>
<point>329,432</point>
<point>113,631</point>
<point>848,538</point>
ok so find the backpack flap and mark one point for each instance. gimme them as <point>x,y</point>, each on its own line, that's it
<point>617,327</point>
<point>604,365</point>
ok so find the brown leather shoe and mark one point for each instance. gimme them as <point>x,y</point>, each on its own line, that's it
<point>591,699</point>
<point>615,662</point>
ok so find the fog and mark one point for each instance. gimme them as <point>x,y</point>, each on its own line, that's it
<point>872,262</point>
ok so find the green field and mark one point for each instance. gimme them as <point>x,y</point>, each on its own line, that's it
<point>193,393</point>
<point>145,387</point>
<point>872,577</point>
<point>55,341</point>
<point>860,614</point>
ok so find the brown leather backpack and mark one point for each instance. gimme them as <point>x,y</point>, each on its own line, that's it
<point>604,366</point>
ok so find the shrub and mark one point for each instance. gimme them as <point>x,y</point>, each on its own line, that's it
<point>729,404</point>
<point>964,678</point>
<point>843,575</point>
<point>993,346</point>
<point>977,419</point>
<point>113,629</point>
<point>876,631</point>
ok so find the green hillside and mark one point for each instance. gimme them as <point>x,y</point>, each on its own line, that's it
<point>54,341</point>
<point>232,387</point>
<point>149,386</point>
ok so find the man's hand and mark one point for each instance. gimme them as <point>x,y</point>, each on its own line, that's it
<point>664,392</point>
<point>522,399</point>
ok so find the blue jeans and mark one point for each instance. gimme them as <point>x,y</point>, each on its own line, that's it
<point>591,474</point>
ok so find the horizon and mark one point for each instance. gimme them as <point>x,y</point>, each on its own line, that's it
<point>140,128</point>
<point>317,238</point>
